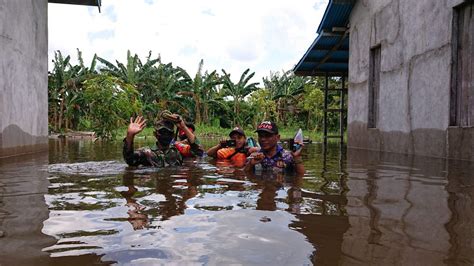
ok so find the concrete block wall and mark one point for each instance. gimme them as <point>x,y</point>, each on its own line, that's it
<point>23,76</point>
<point>415,75</point>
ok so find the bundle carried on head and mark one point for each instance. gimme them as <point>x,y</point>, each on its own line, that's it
<point>168,116</point>
<point>166,120</point>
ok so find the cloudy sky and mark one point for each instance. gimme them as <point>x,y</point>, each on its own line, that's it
<point>231,35</point>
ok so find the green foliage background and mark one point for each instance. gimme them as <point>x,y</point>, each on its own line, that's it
<point>103,95</point>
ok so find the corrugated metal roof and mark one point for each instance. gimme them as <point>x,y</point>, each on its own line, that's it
<point>329,52</point>
<point>336,14</point>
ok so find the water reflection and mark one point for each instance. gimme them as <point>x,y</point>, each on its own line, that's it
<point>461,203</point>
<point>368,208</point>
<point>136,211</point>
<point>400,211</point>
<point>23,182</point>
<point>201,212</point>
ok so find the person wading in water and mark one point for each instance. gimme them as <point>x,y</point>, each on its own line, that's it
<point>272,156</point>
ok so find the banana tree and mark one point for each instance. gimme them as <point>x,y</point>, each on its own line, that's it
<point>75,104</point>
<point>61,89</point>
<point>168,82</point>
<point>202,90</point>
<point>261,99</point>
<point>238,90</point>
<point>285,90</point>
<point>134,72</point>
<point>212,98</point>
<point>143,77</point>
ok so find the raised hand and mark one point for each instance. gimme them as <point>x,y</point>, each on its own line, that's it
<point>252,150</point>
<point>298,151</point>
<point>136,126</point>
<point>223,143</point>
<point>179,121</point>
<point>256,158</point>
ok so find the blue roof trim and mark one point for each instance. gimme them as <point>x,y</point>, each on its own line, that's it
<point>324,46</point>
<point>326,12</point>
<point>298,66</point>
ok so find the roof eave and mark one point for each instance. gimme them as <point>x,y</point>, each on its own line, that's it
<point>96,3</point>
<point>306,54</point>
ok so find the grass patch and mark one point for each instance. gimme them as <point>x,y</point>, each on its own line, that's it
<point>206,131</point>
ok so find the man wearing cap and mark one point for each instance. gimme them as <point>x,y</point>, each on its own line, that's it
<point>237,153</point>
<point>272,155</point>
<point>165,154</point>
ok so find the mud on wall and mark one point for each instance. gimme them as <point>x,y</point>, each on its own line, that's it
<point>415,74</point>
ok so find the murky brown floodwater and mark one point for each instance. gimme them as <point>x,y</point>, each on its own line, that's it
<point>82,206</point>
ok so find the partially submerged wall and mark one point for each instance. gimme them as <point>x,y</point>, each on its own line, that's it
<point>23,76</point>
<point>407,209</point>
<point>415,76</point>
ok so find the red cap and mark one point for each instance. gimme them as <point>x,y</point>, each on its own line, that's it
<point>267,126</point>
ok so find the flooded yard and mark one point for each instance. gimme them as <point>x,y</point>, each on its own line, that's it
<point>82,205</point>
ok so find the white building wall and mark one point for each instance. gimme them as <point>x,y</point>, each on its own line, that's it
<point>23,76</point>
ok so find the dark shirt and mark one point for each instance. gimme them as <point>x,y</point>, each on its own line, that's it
<point>151,157</point>
<point>281,161</point>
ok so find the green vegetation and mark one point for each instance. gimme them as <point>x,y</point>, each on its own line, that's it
<point>102,96</point>
<point>206,131</point>
<point>109,100</point>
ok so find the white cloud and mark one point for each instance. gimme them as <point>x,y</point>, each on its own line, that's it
<point>232,35</point>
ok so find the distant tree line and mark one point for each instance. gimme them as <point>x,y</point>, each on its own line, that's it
<point>103,95</point>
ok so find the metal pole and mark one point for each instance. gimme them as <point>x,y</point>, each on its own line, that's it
<point>341,115</point>
<point>325,119</point>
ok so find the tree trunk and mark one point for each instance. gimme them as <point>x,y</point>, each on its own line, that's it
<point>66,116</point>
<point>205,112</point>
<point>236,110</point>
<point>55,117</point>
<point>197,109</point>
<point>61,114</point>
<point>278,110</point>
<point>311,125</point>
<point>61,110</point>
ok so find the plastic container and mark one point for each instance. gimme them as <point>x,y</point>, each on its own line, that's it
<point>251,142</point>
<point>298,140</point>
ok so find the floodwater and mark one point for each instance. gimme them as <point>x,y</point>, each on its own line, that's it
<point>81,205</point>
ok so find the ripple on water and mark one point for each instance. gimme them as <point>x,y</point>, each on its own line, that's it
<point>368,209</point>
<point>94,168</point>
